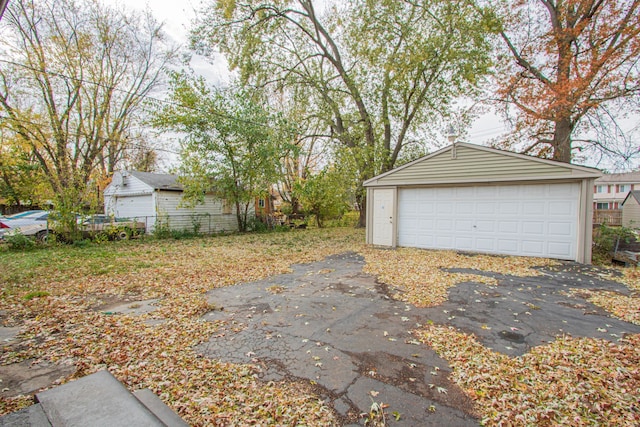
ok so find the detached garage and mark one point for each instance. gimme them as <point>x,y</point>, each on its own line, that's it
<point>479,199</point>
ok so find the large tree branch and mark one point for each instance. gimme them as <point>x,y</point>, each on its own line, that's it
<point>523,62</point>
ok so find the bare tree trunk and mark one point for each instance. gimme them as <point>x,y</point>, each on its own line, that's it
<point>562,140</point>
<point>361,199</point>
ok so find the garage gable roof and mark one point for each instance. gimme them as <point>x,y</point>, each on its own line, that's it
<point>158,181</point>
<point>469,163</point>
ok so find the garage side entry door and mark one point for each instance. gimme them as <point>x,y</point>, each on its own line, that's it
<point>383,217</point>
<point>529,220</point>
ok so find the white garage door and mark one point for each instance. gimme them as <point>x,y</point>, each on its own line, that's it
<point>134,206</point>
<point>531,220</point>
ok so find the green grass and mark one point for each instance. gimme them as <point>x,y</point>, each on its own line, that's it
<point>30,270</point>
<point>62,262</point>
<point>36,294</point>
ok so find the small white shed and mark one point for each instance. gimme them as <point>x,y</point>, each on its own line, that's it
<point>473,198</point>
<point>156,200</point>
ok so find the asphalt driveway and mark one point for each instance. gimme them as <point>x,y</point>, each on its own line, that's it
<point>333,326</point>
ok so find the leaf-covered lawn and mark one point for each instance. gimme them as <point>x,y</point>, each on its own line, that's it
<point>63,328</point>
<point>569,381</point>
<point>422,278</point>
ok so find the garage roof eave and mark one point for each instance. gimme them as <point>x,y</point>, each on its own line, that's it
<point>497,180</point>
<point>132,194</point>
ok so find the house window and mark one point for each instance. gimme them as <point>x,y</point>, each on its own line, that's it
<point>226,207</point>
<point>602,188</point>
<point>602,205</point>
<point>261,203</point>
<point>624,188</point>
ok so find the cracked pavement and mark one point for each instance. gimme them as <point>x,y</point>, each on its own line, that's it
<point>331,325</point>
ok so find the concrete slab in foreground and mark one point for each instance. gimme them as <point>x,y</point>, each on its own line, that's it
<point>97,400</point>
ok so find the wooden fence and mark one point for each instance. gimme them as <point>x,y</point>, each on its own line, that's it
<point>607,216</point>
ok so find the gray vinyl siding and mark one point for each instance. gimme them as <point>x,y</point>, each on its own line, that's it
<point>472,165</point>
<point>631,213</point>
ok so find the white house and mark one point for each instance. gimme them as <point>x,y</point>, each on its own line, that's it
<point>474,198</point>
<point>156,199</point>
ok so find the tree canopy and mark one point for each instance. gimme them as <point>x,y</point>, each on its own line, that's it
<point>74,75</point>
<point>375,74</point>
<point>568,66</point>
<point>232,144</point>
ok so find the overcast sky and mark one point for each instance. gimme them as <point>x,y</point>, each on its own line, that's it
<point>177,17</point>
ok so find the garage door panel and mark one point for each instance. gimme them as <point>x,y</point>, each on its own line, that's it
<point>408,239</point>
<point>533,247</point>
<point>508,246</point>
<point>561,208</point>
<point>562,190</point>
<point>427,224</point>
<point>426,207</point>
<point>526,219</point>
<point>559,249</point>
<point>464,192</point>
<point>444,225</point>
<point>509,192</point>
<point>465,225</point>
<point>425,241</point>
<point>464,243</point>
<point>412,207</point>
<point>444,208</point>
<point>508,227</point>
<point>445,242</point>
<point>508,208</point>
<point>484,226</point>
<point>536,191</point>
<point>485,208</point>
<point>486,193</point>
<point>412,222</point>
<point>533,227</point>
<point>560,228</point>
<point>534,208</point>
<point>464,208</point>
<point>485,244</point>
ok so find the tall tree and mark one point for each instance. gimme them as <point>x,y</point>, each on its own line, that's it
<point>73,80</point>
<point>232,145</point>
<point>568,62</point>
<point>377,71</point>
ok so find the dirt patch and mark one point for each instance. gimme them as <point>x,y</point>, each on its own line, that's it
<point>132,308</point>
<point>29,376</point>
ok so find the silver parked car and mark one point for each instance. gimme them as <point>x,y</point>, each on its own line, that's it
<point>18,221</point>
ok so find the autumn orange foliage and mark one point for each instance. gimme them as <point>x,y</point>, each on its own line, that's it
<point>566,60</point>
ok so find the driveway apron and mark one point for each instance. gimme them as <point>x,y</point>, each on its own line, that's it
<point>334,327</point>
